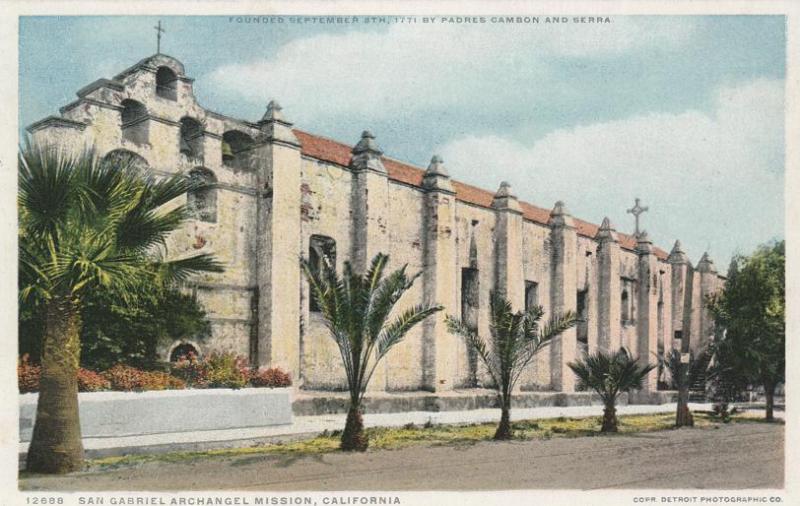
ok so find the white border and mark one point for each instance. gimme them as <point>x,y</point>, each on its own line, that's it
<point>10,11</point>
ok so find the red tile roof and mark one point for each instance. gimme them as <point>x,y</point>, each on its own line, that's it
<point>336,152</point>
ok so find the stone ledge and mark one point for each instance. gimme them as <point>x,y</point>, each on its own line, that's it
<point>311,402</point>
<point>115,414</point>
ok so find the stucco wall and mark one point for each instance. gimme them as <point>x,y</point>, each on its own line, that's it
<point>260,200</point>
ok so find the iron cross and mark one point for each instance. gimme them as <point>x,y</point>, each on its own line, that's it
<point>159,31</point>
<point>636,210</point>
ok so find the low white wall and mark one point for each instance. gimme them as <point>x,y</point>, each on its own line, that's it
<point>110,414</point>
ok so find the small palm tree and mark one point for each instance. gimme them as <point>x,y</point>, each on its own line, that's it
<point>357,309</point>
<point>610,375</point>
<point>686,371</point>
<point>86,224</point>
<point>515,340</point>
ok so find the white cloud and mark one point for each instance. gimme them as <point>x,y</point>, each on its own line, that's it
<point>418,67</point>
<point>713,180</point>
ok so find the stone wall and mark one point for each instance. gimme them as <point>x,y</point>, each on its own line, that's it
<point>278,190</point>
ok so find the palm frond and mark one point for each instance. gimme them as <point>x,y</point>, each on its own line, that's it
<point>181,269</point>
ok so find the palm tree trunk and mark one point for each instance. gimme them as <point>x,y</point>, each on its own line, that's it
<point>56,445</point>
<point>504,428</point>
<point>353,437</point>
<point>769,390</point>
<point>609,418</point>
<point>683,417</point>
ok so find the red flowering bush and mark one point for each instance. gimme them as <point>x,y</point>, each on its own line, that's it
<point>90,381</point>
<point>125,378</point>
<point>161,381</point>
<point>27,375</point>
<point>226,370</point>
<point>272,377</point>
<point>191,370</point>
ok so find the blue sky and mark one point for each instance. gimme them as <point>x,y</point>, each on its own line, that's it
<point>684,112</point>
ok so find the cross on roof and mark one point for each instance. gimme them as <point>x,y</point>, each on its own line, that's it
<point>159,31</point>
<point>636,210</point>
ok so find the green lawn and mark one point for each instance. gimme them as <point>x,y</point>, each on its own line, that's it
<point>382,438</point>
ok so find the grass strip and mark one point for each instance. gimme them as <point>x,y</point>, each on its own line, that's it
<point>391,438</point>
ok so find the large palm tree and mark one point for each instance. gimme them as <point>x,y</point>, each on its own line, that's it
<point>357,309</point>
<point>86,224</point>
<point>686,371</point>
<point>610,375</point>
<point>515,340</point>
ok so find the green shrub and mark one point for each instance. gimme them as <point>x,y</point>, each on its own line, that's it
<point>226,370</point>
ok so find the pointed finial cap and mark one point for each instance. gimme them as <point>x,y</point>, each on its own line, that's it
<point>560,216</point>
<point>367,144</point>
<point>677,255</point>
<point>606,232</point>
<point>504,190</point>
<point>436,177</point>
<point>505,200</point>
<point>706,264</point>
<point>436,167</point>
<point>275,128</point>
<point>560,209</point>
<point>367,155</point>
<point>274,112</point>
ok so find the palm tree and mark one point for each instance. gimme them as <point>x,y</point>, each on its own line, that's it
<point>610,375</point>
<point>86,224</point>
<point>356,309</point>
<point>686,371</point>
<point>515,340</point>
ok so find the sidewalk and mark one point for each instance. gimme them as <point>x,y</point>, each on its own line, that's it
<point>309,426</point>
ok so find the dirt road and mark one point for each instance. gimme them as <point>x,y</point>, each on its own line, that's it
<point>732,456</point>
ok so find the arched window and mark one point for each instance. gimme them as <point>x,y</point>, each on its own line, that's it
<point>166,83</point>
<point>183,350</point>
<point>123,159</point>
<point>320,247</point>
<point>134,121</point>
<point>236,148</point>
<point>191,138</point>
<point>202,201</point>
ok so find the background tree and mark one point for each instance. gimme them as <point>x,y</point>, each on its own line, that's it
<point>515,340</point>
<point>610,375</point>
<point>357,309</point>
<point>751,310</point>
<point>84,225</point>
<point>115,331</point>
<point>685,374</point>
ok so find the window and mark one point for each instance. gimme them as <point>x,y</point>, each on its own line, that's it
<point>191,138</point>
<point>627,301</point>
<point>531,295</point>
<point>166,83</point>
<point>626,307</point>
<point>320,247</point>
<point>470,305</point>
<point>236,148</point>
<point>134,122</point>
<point>583,316</point>
<point>202,201</point>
